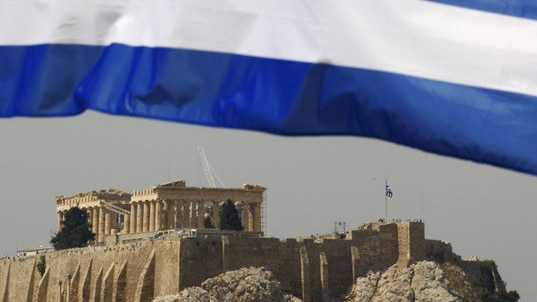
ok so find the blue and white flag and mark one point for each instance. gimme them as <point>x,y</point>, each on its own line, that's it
<point>389,192</point>
<point>458,81</point>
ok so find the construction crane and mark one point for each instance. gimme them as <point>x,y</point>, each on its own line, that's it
<point>209,171</point>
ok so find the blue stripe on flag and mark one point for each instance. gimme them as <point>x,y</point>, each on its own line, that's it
<point>276,96</point>
<point>515,8</point>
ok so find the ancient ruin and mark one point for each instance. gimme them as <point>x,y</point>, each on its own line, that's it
<point>316,268</point>
<point>114,215</point>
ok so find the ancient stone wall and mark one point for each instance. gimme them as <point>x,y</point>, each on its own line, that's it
<point>311,268</point>
<point>321,267</point>
<point>388,234</point>
<point>17,275</point>
<point>130,272</point>
<point>411,242</point>
<point>440,251</point>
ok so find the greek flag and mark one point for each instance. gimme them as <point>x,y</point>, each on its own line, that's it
<point>453,77</point>
<point>389,192</point>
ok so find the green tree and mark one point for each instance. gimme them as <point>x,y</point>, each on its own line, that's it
<point>76,230</point>
<point>229,217</point>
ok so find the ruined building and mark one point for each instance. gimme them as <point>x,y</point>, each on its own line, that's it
<point>114,215</point>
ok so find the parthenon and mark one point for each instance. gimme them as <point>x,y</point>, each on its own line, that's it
<point>166,206</point>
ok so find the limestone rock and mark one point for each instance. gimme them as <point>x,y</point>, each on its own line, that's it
<point>430,283</point>
<point>247,284</point>
<point>421,282</point>
<point>365,287</point>
<point>394,285</point>
<point>243,285</point>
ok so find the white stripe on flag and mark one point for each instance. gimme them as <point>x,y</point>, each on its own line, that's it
<point>417,38</point>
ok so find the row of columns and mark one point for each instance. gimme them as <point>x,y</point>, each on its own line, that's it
<point>156,215</point>
<point>101,221</point>
<point>100,218</point>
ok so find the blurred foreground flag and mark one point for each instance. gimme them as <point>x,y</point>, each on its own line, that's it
<point>454,80</point>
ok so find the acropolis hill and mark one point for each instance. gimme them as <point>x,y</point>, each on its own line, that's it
<point>125,265</point>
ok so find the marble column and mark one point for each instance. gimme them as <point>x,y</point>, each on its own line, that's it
<point>139,216</point>
<point>163,215</point>
<point>167,224</point>
<point>151,215</point>
<point>107,225</point>
<point>133,219</point>
<point>101,225</point>
<point>145,223</point>
<point>95,220</point>
<point>158,215</point>
<point>126,224</point>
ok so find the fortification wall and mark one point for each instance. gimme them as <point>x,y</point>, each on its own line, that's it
<point>303,266</point>
<point>440,251</point>
<point>411,242</point>
<point>17,276</point>
<point>313,269</point>
<point>130,272</point>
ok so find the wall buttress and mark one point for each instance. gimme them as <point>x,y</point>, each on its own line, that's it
<point>120,284</point>
<point>97,286</point>
<point>84,293</point>
<point>146,283</point>
<point>42,287</point>
<point>323,263</point>
<point>305,274</point>
<point>108,285</point>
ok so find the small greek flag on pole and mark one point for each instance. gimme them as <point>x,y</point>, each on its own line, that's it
<point>389,192</point>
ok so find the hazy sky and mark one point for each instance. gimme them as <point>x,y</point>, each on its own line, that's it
<point>312,182</point>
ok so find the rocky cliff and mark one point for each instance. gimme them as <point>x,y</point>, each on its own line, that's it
<point>428,281</point>
<point>243,285</point>
<point>423,281</point>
